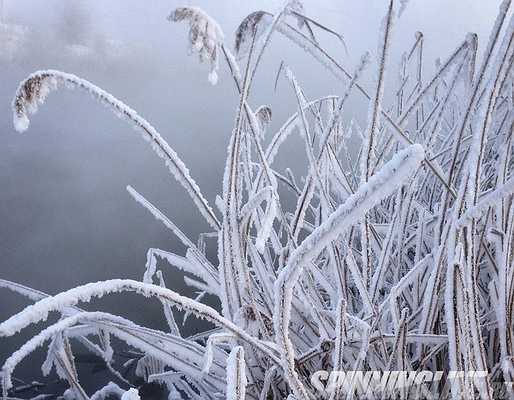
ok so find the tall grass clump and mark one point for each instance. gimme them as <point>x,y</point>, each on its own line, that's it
<point>397,254</point>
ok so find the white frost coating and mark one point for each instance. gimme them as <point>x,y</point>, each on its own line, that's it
<point>39,311</point>
<point>288,127</point>
<point>182,263</point>
<point>200,286</point>
<point>131,394</point>
<point>384,183</point>
<point>268,378</point>
<point>236,375</point>
<point>267,225</point>
<point>215,338</point>
<point>150,266</point>
<point>340,341</point>
<point>197,299</point>
<point>33,91</point>
<point>30,293</point>
<point>205,36</point>
<point>304,200</point>
<point>312,48</point>
<point>255,128</point>
<point>159,216</point>
<point>487,201</point>
<point>359,283</point>
<point>111,389</point>
<point>46,335</point>
<point>375,105</point>
<point>305,131</point>
<point>406,280</point>
<point>367,159</point>
<point>449,305</point>
<point>234,66</point>
<point>160,349</point>
<point>168,312</point>
<point>336,116</point>
<point>204,267</point>
<point>262,195</point>
<point>21,123</point>
<point>69,394</point>
<point>485,114</point>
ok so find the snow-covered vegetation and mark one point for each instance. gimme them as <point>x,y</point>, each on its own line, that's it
<point>398,254</point>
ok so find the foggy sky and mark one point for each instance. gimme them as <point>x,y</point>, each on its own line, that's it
<point>66,218</point>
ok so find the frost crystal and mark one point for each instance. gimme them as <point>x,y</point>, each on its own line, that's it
<point>205,36</point>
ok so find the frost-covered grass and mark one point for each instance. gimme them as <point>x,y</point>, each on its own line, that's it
<point>397,256</point>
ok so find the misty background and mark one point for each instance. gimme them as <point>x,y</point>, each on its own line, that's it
<point>66,218</point>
